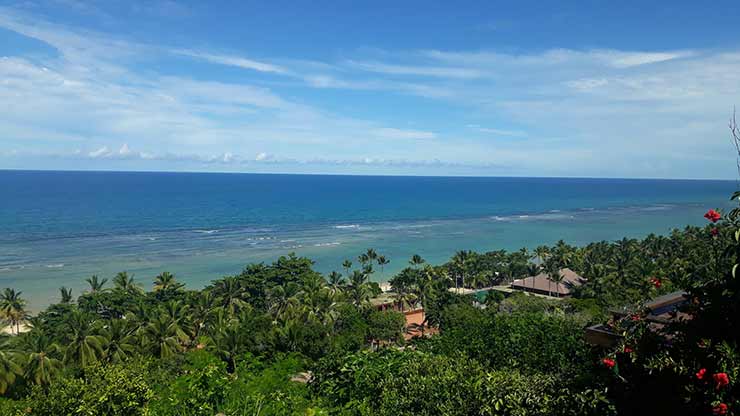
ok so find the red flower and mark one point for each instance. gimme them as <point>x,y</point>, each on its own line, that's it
<point>714,232</point>
<point>720,409</point>
<point>628,350</point>
<point>636,317</point>
<point>609,363</point>
<point>712,215</point>
<point>700,374</point>
<point>656,282</point>
<point>721,379</point>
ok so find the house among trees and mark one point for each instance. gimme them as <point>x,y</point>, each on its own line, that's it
<point>543,284</point>
<point>659,312</point>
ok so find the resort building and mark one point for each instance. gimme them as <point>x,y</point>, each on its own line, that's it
<point>542,284</point>
<point>414,314</point>
<point>660,311</point>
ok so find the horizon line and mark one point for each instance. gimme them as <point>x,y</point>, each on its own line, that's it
<point>365,175</point>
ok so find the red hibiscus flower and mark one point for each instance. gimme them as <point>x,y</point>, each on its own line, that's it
<point>628,350</point>
<point>715,232</point>
<point>609,363</point>
<point>712,215</point>
<point>721,379</point>
<point>720,409</point>
<point>656,282</point>
<point>700,374</point>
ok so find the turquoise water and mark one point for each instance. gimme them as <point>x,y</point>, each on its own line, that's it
<point>56,228</point>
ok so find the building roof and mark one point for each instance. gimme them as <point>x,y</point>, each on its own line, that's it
<point>542,283</point>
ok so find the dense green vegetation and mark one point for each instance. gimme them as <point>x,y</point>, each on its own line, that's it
<point>281,339</point>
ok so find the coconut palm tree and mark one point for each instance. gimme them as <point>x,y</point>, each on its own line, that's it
<point>382,262</point>
<point>336,281</point>
<point>347,266</point>
<point>416,260</point>
<point>122,281</point>
<point>230,293</point>
<point>371,255</point>
<point>12,308</point>
<point>120,339</point>
<point>201,313</point>
<point>166,281</point>
<point>460,262</point>
<point>357,288</point>
<point>177,312</point>
<point>95,283</point>
<point>86,346</point>
<point>160,337</point>
<point>9,368</point>
<point>66,295</point>
<point>39,357</point>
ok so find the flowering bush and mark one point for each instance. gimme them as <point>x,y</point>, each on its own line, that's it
<point>691,364</point>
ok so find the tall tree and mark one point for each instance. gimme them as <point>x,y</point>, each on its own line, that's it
<point>66,295</point>
<point>382,262</point>
<point>120,339</point>
<point>85,346</point>
<point>125,282</point>
<point>9,368</point>
<point>416,260</point>
<point>39,357</point>
<point>13,308</point>
<point>166,281</point>
<point>96,284</point>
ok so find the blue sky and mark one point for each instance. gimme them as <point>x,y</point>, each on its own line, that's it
<point>603,89</point>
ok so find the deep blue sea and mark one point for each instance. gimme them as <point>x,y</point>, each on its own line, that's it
<point>57,228</point>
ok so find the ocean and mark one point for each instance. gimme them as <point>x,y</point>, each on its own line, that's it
<point>57,228</point>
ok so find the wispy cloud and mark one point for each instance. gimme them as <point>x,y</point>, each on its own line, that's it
<point>393,133</point>
<point>426,71</point>
<point>235,61</point>
<point>498,132</point>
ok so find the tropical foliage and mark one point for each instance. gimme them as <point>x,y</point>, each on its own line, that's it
<point>282,338</point>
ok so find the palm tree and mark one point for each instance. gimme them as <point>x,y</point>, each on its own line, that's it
<point>66,295</point>
<point>126,283</point>
<point>9,369</point>
<point>460,262</point>
<point>166,281</point>
<point>382,261</point>
<point>12,308</point>
<point>358,289</point>
<point>371,255</point>
<point>336,281</point>
<point>160,337</point>
<point>416,260</point>
<point>347,266</point>
<point>553,265</point>
<point>86,346</point>
<point>201,311</point>
<point>230,293</point>
<point>177,313</point>
<point>39,352</point>
<point>541,253</point>
<point>120,339</point>
<point>228,342</point>
<point>96,284</point>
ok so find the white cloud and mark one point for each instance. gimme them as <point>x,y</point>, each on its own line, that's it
<point>235,61</point>
<point>499,132</point>
<point>393,133</point>
<point>619,59</point>
<point>428,71</point>
<point>263,156</point>
<point>101,152</point>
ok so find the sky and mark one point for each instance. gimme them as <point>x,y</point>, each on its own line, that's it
<point>527,88</point>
